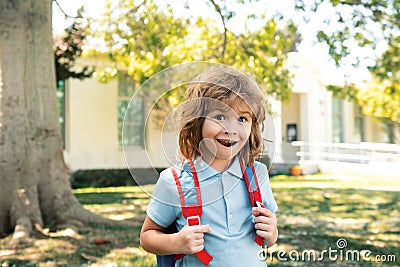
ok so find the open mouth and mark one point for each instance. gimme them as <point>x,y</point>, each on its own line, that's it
<point>226,143</point>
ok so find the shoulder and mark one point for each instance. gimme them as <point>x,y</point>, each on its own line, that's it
<point>261,172</point>
<point>166,181</point>
<point>166,176</point>
<point>260,168</point>
<point>265,186</point>
<point>181,169</point>
<point>166,191</point>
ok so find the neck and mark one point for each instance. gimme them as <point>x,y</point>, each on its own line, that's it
<point>217,164</point>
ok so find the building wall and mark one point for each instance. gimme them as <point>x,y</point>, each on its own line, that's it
<point>374,131</point>
<point>161,143</point>
<point>92,131</point>
<point>90,126</point>
<point>309,106</point>
<point>291,116</point>
<point>348,123</point>
<point>92,123</point>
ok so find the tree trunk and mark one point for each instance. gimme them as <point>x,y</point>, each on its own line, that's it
<point>34,188</point>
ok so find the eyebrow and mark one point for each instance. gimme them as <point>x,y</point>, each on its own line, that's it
<point>240,112</point>
<point>244,113</point>
<point>219,110</point>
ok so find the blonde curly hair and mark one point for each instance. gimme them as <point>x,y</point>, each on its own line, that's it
<point>226,85</point>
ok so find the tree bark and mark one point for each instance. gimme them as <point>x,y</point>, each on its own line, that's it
<point>34,188</point>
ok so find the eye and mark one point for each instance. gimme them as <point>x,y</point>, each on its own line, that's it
<point>243,119</point>
<point>219,117</point>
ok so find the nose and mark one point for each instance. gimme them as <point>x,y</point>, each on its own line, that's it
<point>230,128</point>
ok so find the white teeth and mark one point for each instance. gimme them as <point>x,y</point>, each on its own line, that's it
<point>226,142</point>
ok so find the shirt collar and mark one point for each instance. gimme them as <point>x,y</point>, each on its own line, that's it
<point>205,171</point>
<point>235,168</point>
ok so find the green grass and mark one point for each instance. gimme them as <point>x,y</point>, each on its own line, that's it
<point>314,212</point>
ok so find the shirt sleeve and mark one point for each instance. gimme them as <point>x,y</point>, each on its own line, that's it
<point>265,186</point>
<point>164,204</point>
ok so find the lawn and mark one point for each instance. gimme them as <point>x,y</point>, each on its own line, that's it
<point>323,221</point>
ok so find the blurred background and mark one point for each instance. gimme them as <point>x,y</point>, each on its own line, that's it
<point>330,70</point>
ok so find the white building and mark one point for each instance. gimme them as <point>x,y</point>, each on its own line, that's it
<point>93,114</point>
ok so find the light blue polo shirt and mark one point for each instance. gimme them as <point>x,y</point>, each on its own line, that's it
<point>226,208</point>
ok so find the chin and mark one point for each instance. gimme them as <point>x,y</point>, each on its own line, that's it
<point>226,157</point>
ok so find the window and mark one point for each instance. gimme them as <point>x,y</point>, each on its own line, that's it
<point>358,124</point>
<point>134,119</point>
<point>61,108</point>
<point>337,120</point>
<point>291,132</point>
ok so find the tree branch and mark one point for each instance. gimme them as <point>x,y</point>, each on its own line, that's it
<point>136,8</point>
<point>218,9</point>
<point>62,10</point>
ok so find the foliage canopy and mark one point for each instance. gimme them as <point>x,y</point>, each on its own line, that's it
<point>366,24</point>
<point>68,48</point>
<point>147,39</point>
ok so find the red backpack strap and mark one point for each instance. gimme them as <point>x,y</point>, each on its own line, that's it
<point>199,207</point>
<point>255,195</point>
<point>192,213</point>
<point>179,186</point>
<point>189,210</point>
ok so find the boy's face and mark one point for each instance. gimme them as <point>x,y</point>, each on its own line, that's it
<point>225,131</point>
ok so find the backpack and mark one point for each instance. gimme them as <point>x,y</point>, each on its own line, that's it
<point>192,213</point>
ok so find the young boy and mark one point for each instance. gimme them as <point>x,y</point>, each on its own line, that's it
<point>220,127</point>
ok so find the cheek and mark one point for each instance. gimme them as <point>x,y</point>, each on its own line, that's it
<point>205,129</point>
<point>246,131</point>
<point>210,128</point>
